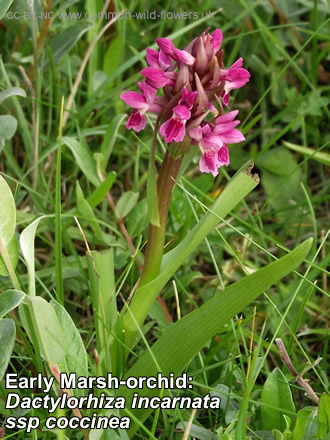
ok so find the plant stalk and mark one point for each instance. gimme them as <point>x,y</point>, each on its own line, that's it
<point>156,234</point>
<point>138,310</point>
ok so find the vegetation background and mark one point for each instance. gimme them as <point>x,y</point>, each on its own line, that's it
<point>284,116</point>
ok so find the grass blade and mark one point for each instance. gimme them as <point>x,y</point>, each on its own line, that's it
<point>58,219</point>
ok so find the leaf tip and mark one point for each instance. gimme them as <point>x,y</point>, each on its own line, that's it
<point>254,176</point>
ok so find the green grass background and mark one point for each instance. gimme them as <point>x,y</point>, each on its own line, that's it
<point>285,118</point>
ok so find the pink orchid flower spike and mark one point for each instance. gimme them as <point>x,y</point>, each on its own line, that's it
<point>193,86</point>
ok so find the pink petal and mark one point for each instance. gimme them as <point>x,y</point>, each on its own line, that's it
<point>188,98</point>
<point>206,129</point>
<point>155,77</point>
<point>212,142</point>
<point>216,40</point>
<point>148,91</point>
<point>226,126</point>
<point>238,77</point>
<point>182,112</point>
<point>225,97</point>
<point>208,163</point>
<point>184,56</point>
<point>155,108</point>
<point>232,136</point>
<point>184,95</point>
<point>164,60</point>
<point>196,133</point>
<point>223,156</point>
<point>152,57</point>
<point>237,64</point>
<point>173,130</point>
<point>136,121</point>
<point>134,99</point>
<point>166,45</point>
<point>230,116</point>
<point>181,133</point>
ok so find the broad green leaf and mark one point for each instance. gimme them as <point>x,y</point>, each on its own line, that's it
<point>196,432</point>
<point>7,213</point>
<point>311,426</point>
<point>98,195</point>
<point>8,126</point>
<point>299,430</point>
<point>110,138</point>
<point>234,193</point>
<point>320,156</point>
<point>276,392</point>
<point>279,162</point>
<point>4,6</point>
<point>56,335</point>
<point>7,341</point>
<point>66,39</point>
<point>9,300</point>
<point>84,159</point>
<point>75,352</point>
<point>229,405</point>
<point>51,338</point>
<point>27,247</point>
<point>324,415</point>
<point>180,342</point>
<point>102,281</point>
<point>281,179</point>
<point>126,203</point>
<point>95,434</point>
<point>137,221</point>
<point>12,91</point>
<point>87,212</point>
<point>12,249</point>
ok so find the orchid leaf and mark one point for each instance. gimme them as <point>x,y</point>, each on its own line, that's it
<point>233,194</point>
<point>181,342</point>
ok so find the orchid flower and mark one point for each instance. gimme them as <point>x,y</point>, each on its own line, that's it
<point>141,104</point>
<point>158,59</point>
<point>213,140</point>
<point>235,78</point>
<point>157,78</point>
<point>167,47</point>
<point>174,129</point>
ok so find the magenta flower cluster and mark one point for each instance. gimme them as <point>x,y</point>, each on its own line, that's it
<point>194,82</point>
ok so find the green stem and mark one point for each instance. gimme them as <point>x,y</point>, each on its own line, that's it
<point>156,234</point>
<point>138,310</point>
